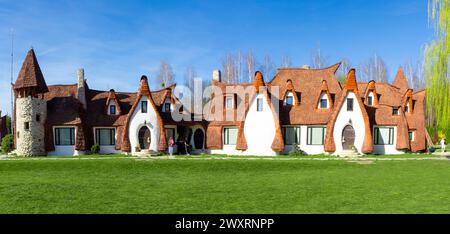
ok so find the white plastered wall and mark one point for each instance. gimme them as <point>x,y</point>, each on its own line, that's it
<point>138,120</point>
<point>353,118</point>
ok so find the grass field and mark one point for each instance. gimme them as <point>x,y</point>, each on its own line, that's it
<point>125,185</point>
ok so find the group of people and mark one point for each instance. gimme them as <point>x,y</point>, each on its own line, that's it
<point>181,143</point>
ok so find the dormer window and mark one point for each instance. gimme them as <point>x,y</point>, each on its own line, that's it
<point>289,99</point>
<point>167,106</point>
<point>407,107</point>
<point>369,100</point>
<point>395,111</point>
<point>323,101</point>
<point>112,109</point>
<point>229,102</point>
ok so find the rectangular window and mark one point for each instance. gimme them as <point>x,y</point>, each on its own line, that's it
<point>406,108</point>
<point>291,135</point>
<point>229,102</point>
<point>349,104</point>
<point>411,136</point>
<point>230,136</point>
<point>144,106</point>
<point>64,136</point>
<point>112,109</point>
<point>170,132</point>
<point>383,136</point>
<point>316,135</point>
<point>323,103</point>
<point>394,111</point>
<point>167,107</point>
<point>369,101</point>
<point>105,136</point>
<point>38,118</point>
<point>289,100</point>
<point>27,126</point>
<point>259,104</point>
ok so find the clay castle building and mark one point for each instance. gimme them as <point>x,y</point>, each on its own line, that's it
<point>311,109</point>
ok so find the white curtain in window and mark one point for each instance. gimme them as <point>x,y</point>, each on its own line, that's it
<point>383,137</point>
<point>317,136</point>
<point>232,135</point>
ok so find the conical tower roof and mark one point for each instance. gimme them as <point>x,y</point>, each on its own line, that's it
<point>30,75</point>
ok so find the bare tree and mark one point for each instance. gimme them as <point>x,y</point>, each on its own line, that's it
<point>239,60</point>
<point>286,61</point>
<point>229,69</point>
<point>250,65</point>
<point>343,70</point>
<point>318,60</point>
<point>414,74</point>
<point>189,76</point>
<point>373,69</point>
<point>165,75</point>
<point>267,67</point>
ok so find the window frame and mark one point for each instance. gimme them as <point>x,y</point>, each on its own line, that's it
<point>291,98</point>
<point>411,135</point>
<point>321,101</point>
<point>57,134</point>
<point>350,104</point>
<point>309,134</point>
<point>297,130</point>
<point>226,136</point>
<point>259,104</point>
<point>369,103</point>
<point>112,136</point>
<point>376,134</point>
<point>144,106</point>
<point>165,109</point>
<point>111,108</point>
<point>228,97</point>
<point>395,111</point>
<point>173,133</point>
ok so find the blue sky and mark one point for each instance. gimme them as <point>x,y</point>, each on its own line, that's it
<point>118,41</point>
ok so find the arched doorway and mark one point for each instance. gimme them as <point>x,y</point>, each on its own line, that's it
<point>348,137</point>
<point>199,137</point>
<point>144,137</point>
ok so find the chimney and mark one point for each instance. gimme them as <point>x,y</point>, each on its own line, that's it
<point>81,89</point>
<point>216,75</point>
<point>305,67</point>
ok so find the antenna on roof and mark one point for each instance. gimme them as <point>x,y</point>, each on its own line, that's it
<point>12,71</point>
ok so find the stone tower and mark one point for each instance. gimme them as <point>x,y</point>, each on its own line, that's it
<point>30,108</point>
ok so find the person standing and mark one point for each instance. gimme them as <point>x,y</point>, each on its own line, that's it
<point>443,143</point>
<point>171,143</point>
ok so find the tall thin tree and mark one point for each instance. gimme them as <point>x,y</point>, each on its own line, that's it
<point>165,76</point>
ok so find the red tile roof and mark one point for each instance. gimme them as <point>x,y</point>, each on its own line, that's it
<point>30,75</point>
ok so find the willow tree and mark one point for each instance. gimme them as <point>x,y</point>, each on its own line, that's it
<point>437,70</point>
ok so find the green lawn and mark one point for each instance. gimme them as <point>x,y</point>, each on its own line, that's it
<point>125,185</point>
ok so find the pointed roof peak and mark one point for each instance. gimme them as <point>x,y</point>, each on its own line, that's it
<point>144,89</point>
<point>259,80</point>
<point>350,82</point>
<point>400,79</point>
<point>30,75</point>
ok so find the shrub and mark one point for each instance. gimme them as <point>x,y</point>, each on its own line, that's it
<point>95,149</point>
<point>296,151</point>
<point>7,143</point>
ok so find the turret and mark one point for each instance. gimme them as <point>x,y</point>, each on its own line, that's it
<point>30,108</point>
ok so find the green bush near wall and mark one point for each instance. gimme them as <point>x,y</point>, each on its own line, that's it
<point>7,143</point>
